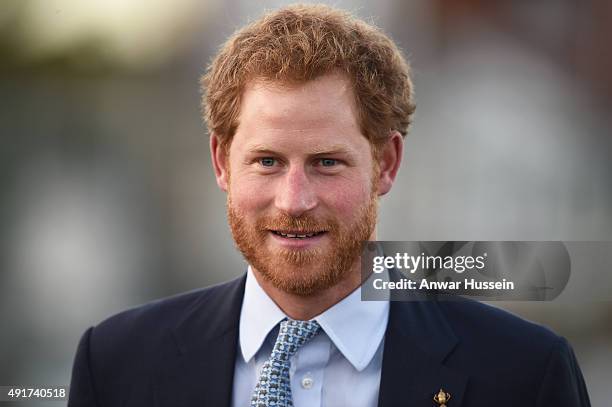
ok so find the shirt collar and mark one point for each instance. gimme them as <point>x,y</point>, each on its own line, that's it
<point>258,316</point>
<point>354,326</point>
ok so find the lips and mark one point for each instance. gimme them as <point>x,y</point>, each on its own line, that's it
<point>296,234</point>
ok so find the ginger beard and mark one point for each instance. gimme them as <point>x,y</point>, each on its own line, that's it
<point>303,271</point>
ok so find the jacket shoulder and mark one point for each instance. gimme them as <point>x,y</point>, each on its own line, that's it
<point>134,335</point>
<point>500,350</point>
<point>118,359</point>
<point>493,343</point>
<point>164,313</point>
<point>481,322</point>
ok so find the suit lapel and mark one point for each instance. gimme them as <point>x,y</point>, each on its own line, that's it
<point>417,341</point>
<point>199,370</point>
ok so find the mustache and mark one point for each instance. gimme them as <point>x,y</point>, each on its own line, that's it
<point>304,223</point>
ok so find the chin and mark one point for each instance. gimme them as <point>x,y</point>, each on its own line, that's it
<point>305,279</point>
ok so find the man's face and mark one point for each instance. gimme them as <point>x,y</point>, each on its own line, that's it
<point>301,197</point>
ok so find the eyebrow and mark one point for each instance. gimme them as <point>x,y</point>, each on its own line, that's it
<point>331,150</point>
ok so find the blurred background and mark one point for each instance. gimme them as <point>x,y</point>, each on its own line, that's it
<point>107,195</point>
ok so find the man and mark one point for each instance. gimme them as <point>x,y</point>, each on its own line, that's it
<point>307,109</point>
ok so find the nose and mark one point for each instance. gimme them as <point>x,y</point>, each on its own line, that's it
<point>296,194</point>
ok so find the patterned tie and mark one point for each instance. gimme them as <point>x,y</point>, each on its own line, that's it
<point>274,387</point>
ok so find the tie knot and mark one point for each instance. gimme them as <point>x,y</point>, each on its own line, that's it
<point>291,336</point>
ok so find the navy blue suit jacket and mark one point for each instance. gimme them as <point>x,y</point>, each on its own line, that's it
<point>180,352</point>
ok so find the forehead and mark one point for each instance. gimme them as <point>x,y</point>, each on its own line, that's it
<point>323,102</point>
<point>315,111</point>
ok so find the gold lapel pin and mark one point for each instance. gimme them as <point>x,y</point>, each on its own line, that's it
<point>441,398</point>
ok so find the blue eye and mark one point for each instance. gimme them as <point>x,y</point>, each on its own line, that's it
<point>328,162</point>
<point>267,162</point>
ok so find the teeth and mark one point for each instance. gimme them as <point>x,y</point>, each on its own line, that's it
<point>296,236</point>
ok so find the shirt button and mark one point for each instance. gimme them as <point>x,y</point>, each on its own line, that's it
<point>307,382</point>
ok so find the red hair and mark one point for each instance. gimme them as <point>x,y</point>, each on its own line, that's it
<point>299,43</point>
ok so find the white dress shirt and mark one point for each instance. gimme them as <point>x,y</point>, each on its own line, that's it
<point>340,366</point>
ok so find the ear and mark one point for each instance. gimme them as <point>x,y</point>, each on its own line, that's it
<point>219,161</point>
<point>389,161</point>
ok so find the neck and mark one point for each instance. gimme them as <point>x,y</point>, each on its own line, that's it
<point>304,308</point>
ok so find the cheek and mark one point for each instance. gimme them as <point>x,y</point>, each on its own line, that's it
<point>249,195</point>
<point>345,198</point>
